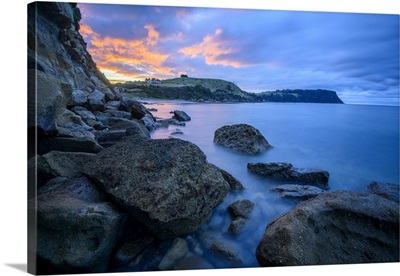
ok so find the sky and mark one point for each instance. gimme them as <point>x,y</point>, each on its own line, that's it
<point>354,54</point>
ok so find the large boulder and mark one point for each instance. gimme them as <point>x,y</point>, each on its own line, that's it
<point>241,137</point>
<point>341,227</point>
<point>76,229</point>
<point>286,171</point>
<point>166,184</point>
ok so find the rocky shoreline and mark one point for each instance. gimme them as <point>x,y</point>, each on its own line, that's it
<point>105,197</point>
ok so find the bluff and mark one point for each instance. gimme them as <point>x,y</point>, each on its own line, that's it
<point>217,90</point>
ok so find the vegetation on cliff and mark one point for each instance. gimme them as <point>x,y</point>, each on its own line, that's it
<point>216,90</point>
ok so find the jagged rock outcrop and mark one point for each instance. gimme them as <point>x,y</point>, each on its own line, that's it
<point>241,137</point>
<point>340,227</point>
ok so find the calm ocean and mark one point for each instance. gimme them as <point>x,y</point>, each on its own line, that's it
<point>356,144</point>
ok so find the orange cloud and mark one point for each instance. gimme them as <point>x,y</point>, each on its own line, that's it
<point>213,49</point>
<point>153,35</point>
<point>129,58</point>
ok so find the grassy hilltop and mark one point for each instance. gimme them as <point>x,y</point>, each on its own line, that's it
<point>212,84</point>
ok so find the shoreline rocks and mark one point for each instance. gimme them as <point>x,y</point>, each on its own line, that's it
<point>286,171</point>
<point>241,137</point>
<point>340,227</point>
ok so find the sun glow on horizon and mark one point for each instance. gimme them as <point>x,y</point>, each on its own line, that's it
<point>122,59</point>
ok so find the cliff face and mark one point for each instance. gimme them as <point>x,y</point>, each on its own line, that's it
<point>56,48</point>
<point>59,70</point>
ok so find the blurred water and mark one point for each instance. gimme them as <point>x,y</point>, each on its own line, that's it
<point>356,144</point>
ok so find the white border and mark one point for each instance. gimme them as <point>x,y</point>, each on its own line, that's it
<point>13,241</point>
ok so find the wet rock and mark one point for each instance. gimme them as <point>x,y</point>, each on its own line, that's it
<point>240,211</point>
<point>77,230</point>
<point>241,208</point>
<point>133,244</point>
<point>232,181</point>
<point>134,107</point>
<point>177,131</point>
<point>341,227</point>
<point>237,225</point>
<point>167,122</point>
<point>227,256</point>
<point>150,259</point>
<point>148,121</point>
<point>181,116</point>
<point>241,137</point>
<point>178,250</point>
<point>166,184</point>
<point>298,192</point>
<point>387,190</point>
<point>286,171</point>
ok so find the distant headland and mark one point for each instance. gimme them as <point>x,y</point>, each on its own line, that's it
<point>217,90</point>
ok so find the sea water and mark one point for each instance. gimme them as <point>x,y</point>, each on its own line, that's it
<point>356,144</point>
